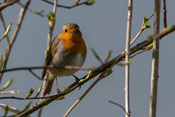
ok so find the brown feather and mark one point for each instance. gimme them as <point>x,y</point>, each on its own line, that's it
<point>50,54</point>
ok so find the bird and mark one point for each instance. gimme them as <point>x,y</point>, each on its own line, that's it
<point>67,49</point>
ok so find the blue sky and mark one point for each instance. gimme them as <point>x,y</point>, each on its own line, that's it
<point>103,26</point>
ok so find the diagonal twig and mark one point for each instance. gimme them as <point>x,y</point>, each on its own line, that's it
<point>68,7</point>
<point>118,105</point>
<point>141,30</point>
<point>4,25</point>
<point>10,108</point>
<point>33,11</point>
<point>6,4</point>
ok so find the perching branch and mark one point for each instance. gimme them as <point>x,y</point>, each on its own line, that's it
<point>102,75</point>
<point>97,71</point>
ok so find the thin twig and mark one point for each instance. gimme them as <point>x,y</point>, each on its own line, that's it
<point>8,3</point>
<point>118,105</point>
<point>141,30</point>
<point>164,14</point>
<point>4,25</point>
<point>8,50</point>
<point>41,67</point>
<point>48,67</point>
<point>68,7</point>
<point>138,53</point>
<point>10,92</point>
<point>10,108</point>
<point>85,93</point>
<point>51,22</point>
<point>33,11</point>
<point>39,78</point>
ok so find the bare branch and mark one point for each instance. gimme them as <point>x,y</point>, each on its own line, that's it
<point>10,108</point>
<point>10,92</point>
<point>119,106</point>
<point>40,13</point>
<point>68,7</point>
<point>140,31</point>
<point>164,14</point>
<point>155,61</point>
<point>6,4</point>
<point>127,66</point>
<point>86,92</point>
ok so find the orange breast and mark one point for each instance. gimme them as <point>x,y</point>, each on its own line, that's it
<point>73,44</point>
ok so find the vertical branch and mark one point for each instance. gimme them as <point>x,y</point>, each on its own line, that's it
<point>52,24</point>
<point>155,62</point>
<point>51,20</point>
<point>128,37</point>
<point>13,38</point>
<point>164,14</point>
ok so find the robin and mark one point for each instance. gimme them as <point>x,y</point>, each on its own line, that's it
<point>67,49</point>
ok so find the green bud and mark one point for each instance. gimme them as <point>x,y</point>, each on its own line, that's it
<point>150,38</point>
<point>90,2</point>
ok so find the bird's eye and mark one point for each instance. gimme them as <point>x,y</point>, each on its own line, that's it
<point>77,31</point>
<point>65,30</point>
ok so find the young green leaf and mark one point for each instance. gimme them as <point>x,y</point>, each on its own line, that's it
<point>39,90</point>
<point>8,83</point>
<point>6,111</point>
<point>27,106</point>
<point>108,56</point>
<point>90,2</point>
<point>30,93</point>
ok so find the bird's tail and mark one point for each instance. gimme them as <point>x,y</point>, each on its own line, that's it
<point>46,89</point>
<point>47,85</point>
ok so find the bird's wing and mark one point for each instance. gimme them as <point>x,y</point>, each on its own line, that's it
<point>50,54</point>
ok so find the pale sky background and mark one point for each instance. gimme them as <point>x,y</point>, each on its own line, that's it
<point>103,26</point>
